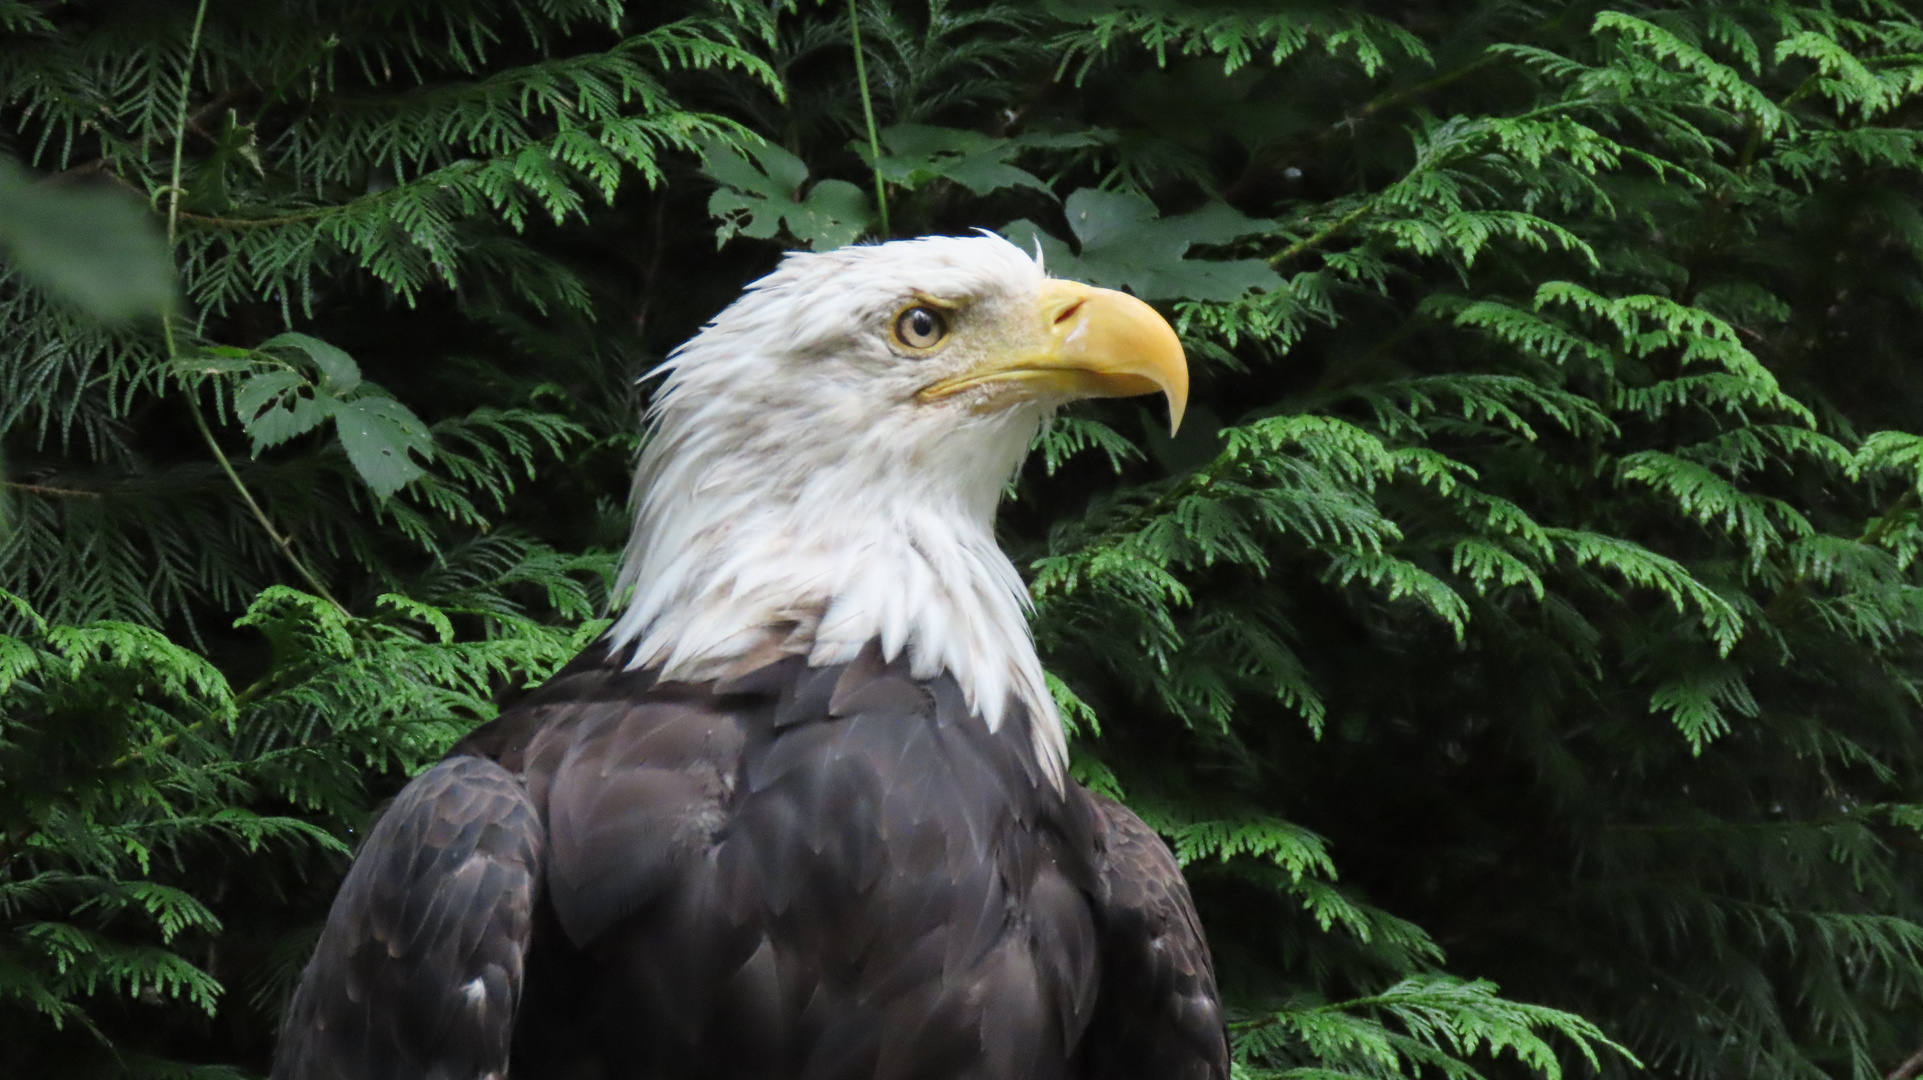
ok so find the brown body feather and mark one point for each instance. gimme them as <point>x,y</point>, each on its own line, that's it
<point>833,873</point>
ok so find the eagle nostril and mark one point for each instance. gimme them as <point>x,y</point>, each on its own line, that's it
<point>1068,313</point>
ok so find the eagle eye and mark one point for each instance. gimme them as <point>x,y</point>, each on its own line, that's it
<point>920,327</point>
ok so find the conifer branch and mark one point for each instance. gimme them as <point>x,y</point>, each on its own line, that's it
<point>1541,468</point>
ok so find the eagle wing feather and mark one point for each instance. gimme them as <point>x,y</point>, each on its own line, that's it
<point>1158,1016</point>
<point>418,971</point>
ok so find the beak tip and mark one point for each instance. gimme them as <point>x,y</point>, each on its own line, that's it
<point>1115,344</point>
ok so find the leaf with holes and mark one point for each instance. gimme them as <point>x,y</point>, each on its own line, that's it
<point>1125,246</point>
<point>380,436</point>
<point>297,382</point>
<point>757,198</point>
<point>340,375</point>
<point>277,405</point>
<point>919,153</point>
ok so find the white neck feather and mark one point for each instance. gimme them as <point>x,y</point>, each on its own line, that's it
<point>793,519</point>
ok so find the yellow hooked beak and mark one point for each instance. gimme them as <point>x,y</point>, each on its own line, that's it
<point>1099,343</point>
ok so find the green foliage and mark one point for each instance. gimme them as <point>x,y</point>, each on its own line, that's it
<point>1122,245</point>
<point>134,768</point>
<point>293,383</point>
<point>1421,1023</point>
<point>758,198</point>
<point>1531,597</point>
<point>920,153</point>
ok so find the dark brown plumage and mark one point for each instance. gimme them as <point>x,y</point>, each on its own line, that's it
<point>832,873</point>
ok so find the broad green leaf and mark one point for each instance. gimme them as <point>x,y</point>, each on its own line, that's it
<point>918,153</point>
<point>275,406</point>
<point>757,198</point>
<point>835,214</point>
<point>339,373</point>
<point>90,244</point>
<point>284,401</point>
<point>1124,245</point>
<point>773,172</point>
<point>380,435</point>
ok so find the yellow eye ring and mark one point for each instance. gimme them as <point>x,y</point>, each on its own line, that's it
<point>920,327</point>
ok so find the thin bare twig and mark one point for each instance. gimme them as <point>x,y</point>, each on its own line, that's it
<point>167,326</point>
<point>1309,243</point>
<point>868,111</point>
<point>1909,1070</point>
<point>180,122</point>
<point>42,489</point>
<point>286,548</point>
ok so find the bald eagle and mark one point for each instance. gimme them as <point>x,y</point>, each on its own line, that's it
<point>804,812</point>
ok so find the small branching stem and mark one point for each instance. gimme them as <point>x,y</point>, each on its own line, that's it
<point>1323,235</point>
<point>1909,1070</point>
<point>1356,117</point>
<point>167,324</point>
<point>180,122</point>
<point>868,113</point>
<point>279,219</point>
<point>286,548</point>
<point>1891,518</point>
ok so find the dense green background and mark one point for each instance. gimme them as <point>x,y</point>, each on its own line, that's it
<point>1530,599</point>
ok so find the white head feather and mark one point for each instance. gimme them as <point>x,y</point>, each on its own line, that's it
<point>796,498</point>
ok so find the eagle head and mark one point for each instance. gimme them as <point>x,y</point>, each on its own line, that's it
<point>825,457</point>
